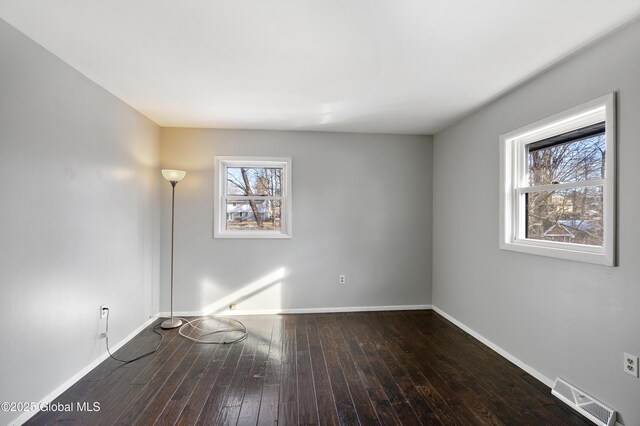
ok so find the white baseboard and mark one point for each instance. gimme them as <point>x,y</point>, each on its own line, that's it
<point>544,379</point>
<point>300,310</point>
<point>80,374</point>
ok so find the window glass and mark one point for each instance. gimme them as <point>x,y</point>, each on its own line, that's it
<point>254,181</point>
<point>570,161</point>
<point>570,215</point>
<point>253,215</point>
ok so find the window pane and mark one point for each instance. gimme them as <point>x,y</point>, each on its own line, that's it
<point>254,181</point>
<point>254,215</point>
<point>576,160</point>
<point>569,215</point>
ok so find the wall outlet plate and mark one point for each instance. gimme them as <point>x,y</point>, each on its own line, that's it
<point>630,364</point>
<point>342,279</point>
<point>233,307</point>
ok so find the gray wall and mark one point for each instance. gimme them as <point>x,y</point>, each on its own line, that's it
<point>562,318</point>
<point>361,207</point>
<point>79,221</point>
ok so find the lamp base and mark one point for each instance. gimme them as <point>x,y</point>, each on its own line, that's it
<point>171,323</point>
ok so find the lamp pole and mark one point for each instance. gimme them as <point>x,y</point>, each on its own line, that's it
<point>173,176</point>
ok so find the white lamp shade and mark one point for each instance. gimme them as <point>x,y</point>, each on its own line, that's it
<point>173,175</point>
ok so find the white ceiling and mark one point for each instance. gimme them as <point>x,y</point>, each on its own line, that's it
<point>383,66</point>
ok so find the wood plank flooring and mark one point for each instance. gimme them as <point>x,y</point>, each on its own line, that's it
<point>390,368</point>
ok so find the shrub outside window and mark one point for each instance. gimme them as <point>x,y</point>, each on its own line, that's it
<point>558,185</point>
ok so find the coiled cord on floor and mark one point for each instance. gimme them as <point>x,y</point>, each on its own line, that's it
<point>194,323</point>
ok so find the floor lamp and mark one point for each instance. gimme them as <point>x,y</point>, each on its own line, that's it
<point>173,176</point>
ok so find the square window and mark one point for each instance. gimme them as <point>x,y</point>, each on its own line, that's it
<point>558,185</point>
<point>253,197</point>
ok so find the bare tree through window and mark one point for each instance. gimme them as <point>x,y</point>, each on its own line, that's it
<point>262,188</point>
<point>573,215</point>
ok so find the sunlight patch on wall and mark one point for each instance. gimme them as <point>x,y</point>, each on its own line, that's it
<point>263,293</point>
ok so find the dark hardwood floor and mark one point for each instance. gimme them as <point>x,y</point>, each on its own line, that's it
<point>402,368</point>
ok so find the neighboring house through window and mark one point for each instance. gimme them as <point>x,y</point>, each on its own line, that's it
<point>558,185</point>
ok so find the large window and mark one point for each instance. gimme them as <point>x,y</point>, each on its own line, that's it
<point>558,185</point>
<point>253,198</point>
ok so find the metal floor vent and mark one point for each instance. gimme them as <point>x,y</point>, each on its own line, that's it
<point>586,405</point>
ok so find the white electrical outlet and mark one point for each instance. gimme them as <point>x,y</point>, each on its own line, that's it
<point>630,364</point>
<point>342,279</point>
<point>103,311</point>
<point>233,307</point>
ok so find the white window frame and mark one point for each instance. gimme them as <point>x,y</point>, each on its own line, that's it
<point>514,183</point>
<point>221,197</point>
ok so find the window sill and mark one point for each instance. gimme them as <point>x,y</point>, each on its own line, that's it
<point>574,252</point>
<point>259,235</point>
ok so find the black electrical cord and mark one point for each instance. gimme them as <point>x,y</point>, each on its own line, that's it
<point>106,333</point>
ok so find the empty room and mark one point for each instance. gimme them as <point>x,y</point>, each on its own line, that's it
<point>320,212</point>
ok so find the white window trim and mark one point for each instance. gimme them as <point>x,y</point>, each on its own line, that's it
<point>512,162</point>
<point>220,213</point>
